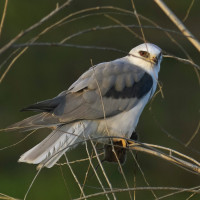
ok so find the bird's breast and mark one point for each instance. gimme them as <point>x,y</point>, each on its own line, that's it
<point>123,124</point>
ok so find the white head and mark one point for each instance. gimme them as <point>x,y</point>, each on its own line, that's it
<point>147,56</point>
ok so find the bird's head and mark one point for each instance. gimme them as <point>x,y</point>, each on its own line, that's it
<point>147,56</point>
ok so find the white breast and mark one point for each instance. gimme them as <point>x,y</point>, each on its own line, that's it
<point>124,124</point>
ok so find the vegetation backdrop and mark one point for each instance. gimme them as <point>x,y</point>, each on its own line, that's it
<point>42,72</point>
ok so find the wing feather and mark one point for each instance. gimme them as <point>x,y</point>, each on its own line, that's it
<point>121,84</point>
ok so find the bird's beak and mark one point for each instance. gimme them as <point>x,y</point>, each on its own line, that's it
<point>154,59</point>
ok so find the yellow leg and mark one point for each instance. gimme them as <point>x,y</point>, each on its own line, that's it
<point>123,141</point>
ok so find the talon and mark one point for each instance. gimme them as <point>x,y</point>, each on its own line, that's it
<point>123,142</point>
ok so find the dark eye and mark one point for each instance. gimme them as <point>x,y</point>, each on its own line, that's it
<point>144,54</point>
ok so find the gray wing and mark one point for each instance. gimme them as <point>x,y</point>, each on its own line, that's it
<point>118,85</point>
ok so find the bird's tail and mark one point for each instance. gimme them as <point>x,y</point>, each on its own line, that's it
<point>49,151</point>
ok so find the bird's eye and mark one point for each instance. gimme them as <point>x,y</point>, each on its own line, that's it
<point>144,54</point>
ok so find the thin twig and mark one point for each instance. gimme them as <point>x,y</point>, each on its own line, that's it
<point>70,45</point>
<point>121,170</point>
<point>85,178</point>
<point>99,48</point>
<point>6,197</point>
<point>95,172</point>
<point>75,177</point>
<point>77,161</point>
<point>30,186</point>
<point>140,189</point>
<point>138,19</point>
<point>178,192</point>
<point>44,19</point>
<point>188,11</point>
<point>177,161</point>
<point>143,175</point>
<point>194,134</point>
<point>10,65</point>
<point>170,135</point>
<point>3,16</point>
<point>7,59</point>
<point>186,61</point>
<point>173,151</point>
<point>65,182</point>
<point>134,180</point>
<point>101,98</point>
<point>24,138</point>
<point>191,196</point>
<point>124,26</point>
<point>178,23</point>
<point>103,171</point>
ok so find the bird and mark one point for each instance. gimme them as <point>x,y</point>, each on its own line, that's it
<point>106,100</point>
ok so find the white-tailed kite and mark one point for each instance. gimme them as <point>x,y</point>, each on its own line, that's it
<point>107,100</point>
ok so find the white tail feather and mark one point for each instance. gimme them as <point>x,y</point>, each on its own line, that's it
<point>49,151</point>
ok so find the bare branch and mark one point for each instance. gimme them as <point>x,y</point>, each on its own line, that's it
<point>3,16</point>
<point>138,19</point>
<point>188,11</point>
<point>183,60</point>
<point>12,62</point>
<point>75,177</point>
<point>44,19</point>
<point>140,189</point>
<point>194,134</point>
<point>178,192</point>
<point>95,172</point>
<point>141,171</point>
<point>24,138</point>
<point>70,45</point>
<point>192,167</point>
<point>178,23</point>
<point>103,171</point>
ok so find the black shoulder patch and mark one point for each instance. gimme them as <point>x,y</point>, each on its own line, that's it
<point>138,89</point>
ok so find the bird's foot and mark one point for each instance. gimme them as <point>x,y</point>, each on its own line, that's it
<point>115,151</point>
<point>120,141</point>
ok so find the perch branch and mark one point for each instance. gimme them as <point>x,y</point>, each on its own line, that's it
<point>193,166</point>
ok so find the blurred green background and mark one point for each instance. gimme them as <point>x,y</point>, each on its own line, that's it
<point>43,72</point>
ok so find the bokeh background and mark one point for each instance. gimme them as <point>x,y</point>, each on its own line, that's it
<point>43,72</point>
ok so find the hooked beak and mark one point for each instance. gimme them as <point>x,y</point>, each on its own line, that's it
<point>154,59</point>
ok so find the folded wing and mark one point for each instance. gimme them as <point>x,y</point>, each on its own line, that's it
<point>110,88</point>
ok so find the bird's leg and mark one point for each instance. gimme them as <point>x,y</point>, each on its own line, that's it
<point>134,136</point>
<point>114,152</point>
<point>120,141</point>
